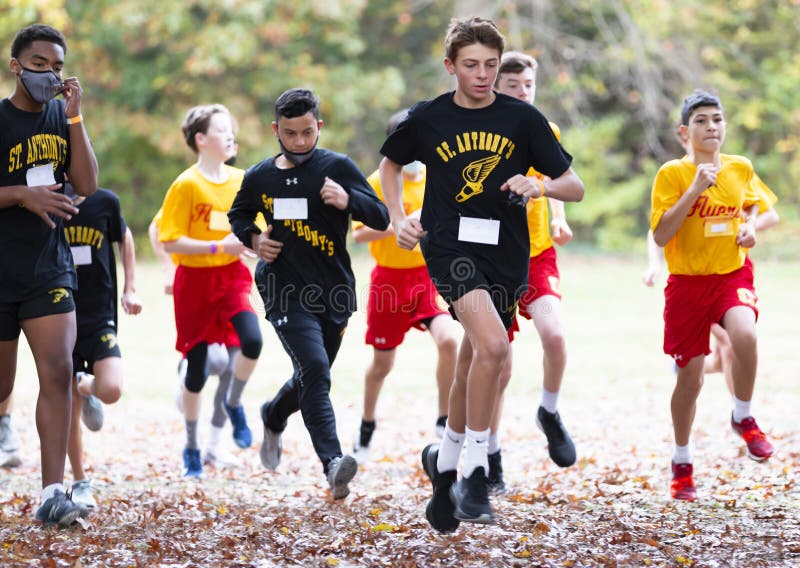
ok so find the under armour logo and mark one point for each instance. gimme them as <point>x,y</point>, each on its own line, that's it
<point>291,181</point>
<point>678,357</point>
<point>281,321</point>
<point>380,340</point>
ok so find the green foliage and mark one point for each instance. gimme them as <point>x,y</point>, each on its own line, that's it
<point>612,74</point>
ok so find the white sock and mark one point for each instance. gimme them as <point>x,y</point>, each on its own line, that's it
<point>477,452</point>
<point>741,409</point>
<point>549,401</point>
<point>449,450</point>
<point>50,490</point>
<point>494,443</point>
<point>682,454</point>
<point>213,438</point>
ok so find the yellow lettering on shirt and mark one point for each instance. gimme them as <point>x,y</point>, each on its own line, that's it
<point>80,235</point>
<point>474,141</point>
<point>313,236</point>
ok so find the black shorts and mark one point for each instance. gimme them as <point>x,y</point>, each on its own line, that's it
<point>94,346</point>
<point>454,276</point>
<point>48,303</point>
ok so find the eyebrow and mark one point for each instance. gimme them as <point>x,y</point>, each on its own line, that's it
<point>46,60</point>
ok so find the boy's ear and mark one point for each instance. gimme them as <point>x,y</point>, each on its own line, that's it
<point>450,66</point>
<point>319,124</point>
<point>275,127</point>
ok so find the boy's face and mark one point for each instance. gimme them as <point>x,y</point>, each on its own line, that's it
<point>520,85</point>
<point>218,141</point>
<point>299,134</point>
<point>706,129</point>
<point>475,69</point>
<point>40,57</point>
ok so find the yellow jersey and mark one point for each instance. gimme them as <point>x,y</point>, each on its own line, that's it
<point>538,213</point>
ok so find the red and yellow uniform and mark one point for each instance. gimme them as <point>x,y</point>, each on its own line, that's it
<point>706,264</point>
<point>209,289</point>
<point>401,293</point>
<point>543,275</point>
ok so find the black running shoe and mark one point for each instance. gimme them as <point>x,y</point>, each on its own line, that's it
<point>59,510</point>
<point>560,445</point>
<point>496,484</point>
<point>471,499</point>
<point>439,510</point>
<point>341,471</point>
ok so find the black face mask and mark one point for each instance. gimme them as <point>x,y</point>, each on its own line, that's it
<point>231,161</point>
<point>298,159</point>
<point>42,86</point>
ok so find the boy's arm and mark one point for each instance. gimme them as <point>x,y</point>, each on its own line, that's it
<point>164,259</point>
<point>242,217</point>
<point>363,203</point>
<point>407,230</point>
<point>130,301</point>
<point>655,258</point>
<point>767,219</point>
<point>364,234</point>
<point>82,163</point>
<point>672,220</point>
<point>561,231</point>
<point>747,230</point>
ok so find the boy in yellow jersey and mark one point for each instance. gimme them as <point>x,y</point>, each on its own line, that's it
<point>212,286</point>
<point>698,203</point>
<point>541,302</point>
<point>401,296</point>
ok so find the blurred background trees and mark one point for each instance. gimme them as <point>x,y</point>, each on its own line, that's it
<point>612,75</point>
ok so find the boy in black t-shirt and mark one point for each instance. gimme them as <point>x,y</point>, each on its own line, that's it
<point>477,146</point>
<point>96,359</point>
<point>42,139</point>
<point>307,195</point>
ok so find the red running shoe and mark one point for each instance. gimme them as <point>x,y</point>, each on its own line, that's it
<point>758,447</point>
<point>682,486</point>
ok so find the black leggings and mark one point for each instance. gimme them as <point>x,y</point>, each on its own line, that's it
<point>246,326</point>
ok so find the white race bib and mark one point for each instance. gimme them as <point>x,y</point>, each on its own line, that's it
<point>476,230</point>
<point>219,221</point>
<point>82,255</point>
<point>40,175</point>
<point>290,208</point>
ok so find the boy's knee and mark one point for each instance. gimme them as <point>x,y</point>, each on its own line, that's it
<point>251,347</point>
<point>554,342</point>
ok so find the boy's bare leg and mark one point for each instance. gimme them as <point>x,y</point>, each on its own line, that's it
<point>52,339</point>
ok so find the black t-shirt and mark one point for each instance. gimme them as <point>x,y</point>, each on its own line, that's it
<point>469,154</point>
<point>313,267</point>
<point>91,234</point>
<point>35,257</point>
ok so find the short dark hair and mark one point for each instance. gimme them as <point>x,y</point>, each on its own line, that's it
<point>396,120</point>
<point>296,102</point>
<point>198,119</point>
<point>698,99</point>
<point>516,62</point>
<point>467,31</point>
<point>36,32</point>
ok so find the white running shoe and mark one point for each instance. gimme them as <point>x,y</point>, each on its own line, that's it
<point>83,495</point>
<point>220,459</point>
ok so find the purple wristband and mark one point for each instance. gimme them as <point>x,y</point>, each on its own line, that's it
<point>213,248</point>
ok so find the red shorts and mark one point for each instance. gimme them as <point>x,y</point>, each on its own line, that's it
<point>693,303</point>
<point>205,301</point>
<point>543,280</point>
<point>399,299</point>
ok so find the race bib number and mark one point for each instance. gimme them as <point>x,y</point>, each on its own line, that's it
<point>82,255</point>
<point>475,230</point>
<point>718,227</point>
<point>40,175</point>
<point>290,208</point>
<point>219,221</point>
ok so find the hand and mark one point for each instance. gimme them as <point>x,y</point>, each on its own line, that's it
<point>131,303</point>
<point>334,194</point>
<point>651,275</point>
<point>746,236</point>
<point>525,186</point>
<point>232,245</point>
<point>44,199</point>
<point>562,234</point>
<point>408,231</point>
<point>416,214</point>
<point>72,97</point>
<point>705,177</point>
<point>266,248</point>
<point>168,286</point>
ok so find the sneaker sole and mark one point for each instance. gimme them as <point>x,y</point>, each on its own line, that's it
<point>65,520</point>
<point>480,520</point>
<point>439,510</point>
<point>757,458</point>
<point>344,475</point>
<point>264,454</point>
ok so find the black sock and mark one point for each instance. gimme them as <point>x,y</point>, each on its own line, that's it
<point>367,428</point>
<point>442,421</point>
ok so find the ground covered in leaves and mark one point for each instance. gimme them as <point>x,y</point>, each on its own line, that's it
<point>610,509</point>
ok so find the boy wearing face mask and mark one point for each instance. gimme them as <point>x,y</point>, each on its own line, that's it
<point>307,196</point>
<point>41,140</point>
<point>401,296</point>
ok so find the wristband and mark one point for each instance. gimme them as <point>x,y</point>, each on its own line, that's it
<point>542,188</point>
<point>214,248</point>
<point>75,119</point>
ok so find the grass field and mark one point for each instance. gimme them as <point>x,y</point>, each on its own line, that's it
<point>615,401</point>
